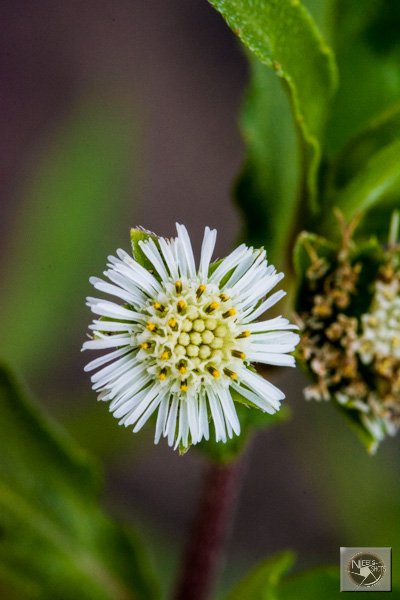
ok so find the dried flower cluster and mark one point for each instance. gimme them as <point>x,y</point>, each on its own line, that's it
<point>351,334</point>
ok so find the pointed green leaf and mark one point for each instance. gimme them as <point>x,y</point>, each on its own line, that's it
<point>376,185</point>
<point>367,47</point>
<point>258,583</point>
<point>282,34</point>
<point>366,174</point>
<point>270,173</point>
<point>381,131</point>
<point>269,581</point>
<point>56,542</point>
<point>319,583</point>
<point>352,418</point>
<point>140,235</point>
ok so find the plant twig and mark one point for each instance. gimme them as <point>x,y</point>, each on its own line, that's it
<point>205,545</point>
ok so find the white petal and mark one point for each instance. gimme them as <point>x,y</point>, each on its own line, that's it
<point>113,290</point>
<point>128,358</point>
<point>161,418</point>
<point>138,275</point>
<point>141,406</point>
<point>110,326</point>
<point>148,412</point>
<point>257,270</point>
<point>193,417</point>
<point>109,341</point>
<point>266,358</point>
<point>264,341</point>
<point>130,383</point>
<point>169,257</point>
<point>270,325</point>
<point>244,266</point>
<point>229,409</point>
<point>183,430</point>
<point>125,404</point>
<point>217,416</point>
<point>260,289</point>
<point>105,308</point>
<point>228,263</point>
<point>126,284</point>
<point>262,386</point>
<point>150,250</point>
<point>101,360</point>
<point>187,250</point>
<point>264,306</point>
<point>203,418</point>
<point>207,249</point>
<point>170,428</point>
<point>107,375</point>
<point>256,399</point>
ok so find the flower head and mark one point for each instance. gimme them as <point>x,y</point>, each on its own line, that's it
<point>350,320</point>
<point>183,340</point>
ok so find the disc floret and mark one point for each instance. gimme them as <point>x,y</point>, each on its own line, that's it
<point>191,336</point>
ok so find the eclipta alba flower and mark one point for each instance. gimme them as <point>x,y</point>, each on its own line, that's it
<point>349,314</point>
<point>183,339</point>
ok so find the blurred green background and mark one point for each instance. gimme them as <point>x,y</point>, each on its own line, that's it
<point>126,113</point>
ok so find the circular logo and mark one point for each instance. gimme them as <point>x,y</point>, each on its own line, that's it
<point>366,569</point>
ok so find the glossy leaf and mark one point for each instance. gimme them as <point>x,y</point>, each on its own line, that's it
<point>270,173</point>
<point>284,37</point>
<point>367,47</point>
<point>365,175</point>
<point>381,131</point>
<point>378,181</point>
<point>56,542</point>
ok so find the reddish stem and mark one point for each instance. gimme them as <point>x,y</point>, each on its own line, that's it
<point>204,550</point>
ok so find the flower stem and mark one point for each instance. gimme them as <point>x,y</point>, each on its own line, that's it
<point>207,537</point>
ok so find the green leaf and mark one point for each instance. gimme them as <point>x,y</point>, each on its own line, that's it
<point>269,176</point>
<point>282,34</point>
<point>354,176</point>
<point>258,583</point>
<point>140,235</point>
<point>70,217</point>
<point>352,418</point>
<point>320,582</point>
<point>381,131</point>
<point>268,582</point>
<point>56,542</point>
<point>377,182</point>
<point>367,47</point>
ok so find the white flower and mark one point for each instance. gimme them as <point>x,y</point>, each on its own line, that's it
<point>381,327</point>
<point>184,338</point>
